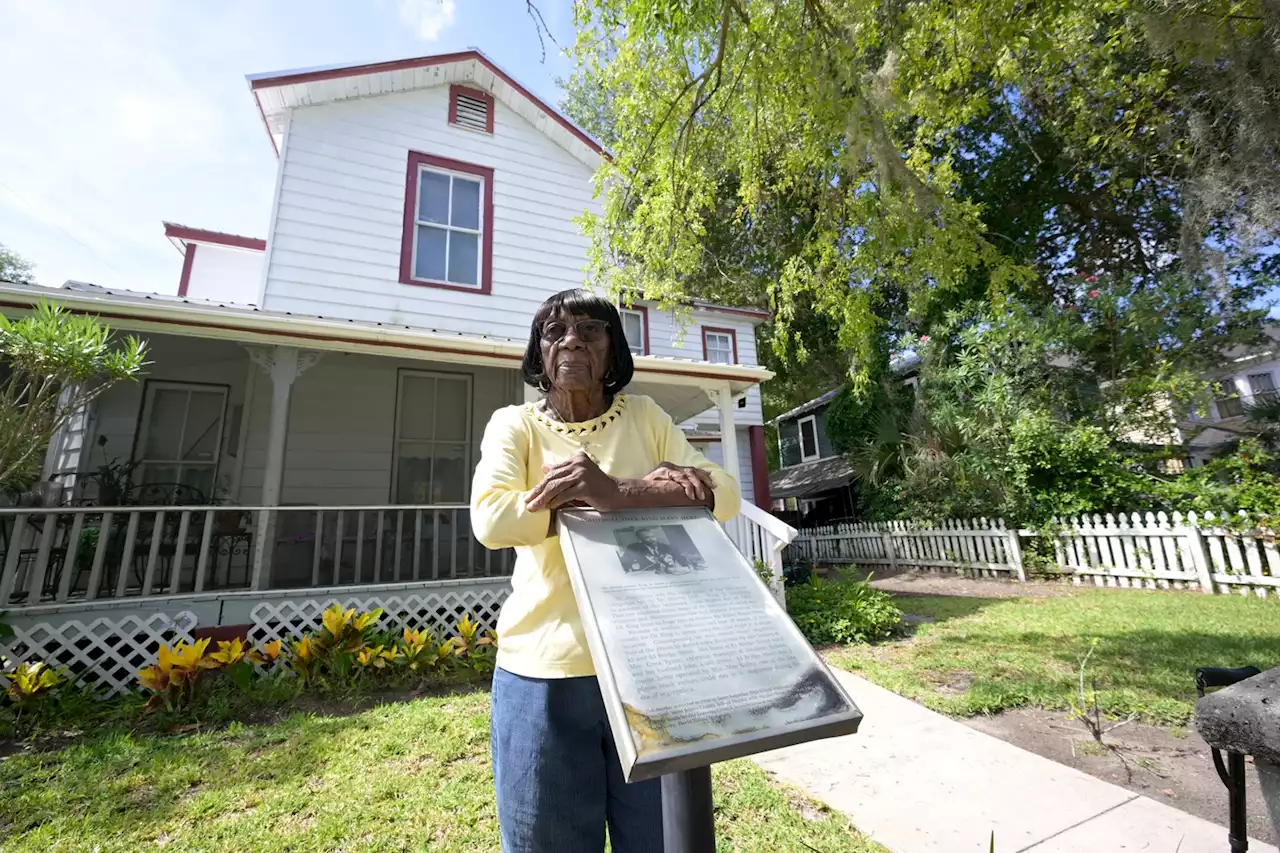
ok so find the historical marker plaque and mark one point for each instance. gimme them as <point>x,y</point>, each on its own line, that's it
<point>696,660</point>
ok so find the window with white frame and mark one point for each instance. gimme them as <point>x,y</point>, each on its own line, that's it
<point>809,438</point>
<point>633,326</point>
<point>719,346</point>
<point>432,462</point>
<point>180,435</point>
<point>448,205</point>
<point>1262,386</point>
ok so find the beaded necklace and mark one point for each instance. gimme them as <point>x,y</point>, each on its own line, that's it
<point>583,432</point>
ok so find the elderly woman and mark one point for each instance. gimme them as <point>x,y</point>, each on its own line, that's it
<point>585,443</point>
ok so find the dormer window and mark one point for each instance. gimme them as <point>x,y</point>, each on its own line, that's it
<point>470,109</point>
<point>448,224</point>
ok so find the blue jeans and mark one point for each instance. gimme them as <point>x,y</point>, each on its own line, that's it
<point>557,772</point>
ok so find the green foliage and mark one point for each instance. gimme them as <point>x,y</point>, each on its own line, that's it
<point>865,168</point>
<point>1028,414</point>
<point>1246,480</point>
<point>842,611</point>
<point>60,362</point>
<point>13,268</point>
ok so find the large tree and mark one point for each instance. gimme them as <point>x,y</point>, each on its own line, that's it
<point>876,165</point>
<point>14,268</point>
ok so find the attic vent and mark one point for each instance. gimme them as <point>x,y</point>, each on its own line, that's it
<point>471,109</point>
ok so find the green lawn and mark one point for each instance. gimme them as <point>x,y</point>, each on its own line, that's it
<point>406,776</point>
<point>984,655</point>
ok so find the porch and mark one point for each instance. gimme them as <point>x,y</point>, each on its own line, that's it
<point>248,481</point>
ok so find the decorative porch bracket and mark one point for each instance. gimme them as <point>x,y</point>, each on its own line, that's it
<point>282,365</point>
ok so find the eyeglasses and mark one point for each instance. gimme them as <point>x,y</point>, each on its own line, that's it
<point>588,331</point>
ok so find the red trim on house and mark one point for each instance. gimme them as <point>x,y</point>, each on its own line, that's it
<point>454,89</point>
<point>759,467</point>
<point>199,235</point>
<point>188,261</point>
<point>420,62</point>
<point>733,336</point>
<point>417,159</point>
<point>195,324</point>
<point>644,322</point>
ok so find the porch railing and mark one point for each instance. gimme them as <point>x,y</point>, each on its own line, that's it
<point>70,554</point>
<point>761,538</point>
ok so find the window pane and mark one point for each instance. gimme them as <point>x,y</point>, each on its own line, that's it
<point>413,473</point>
<point>164,423</point>
<point>448,484</point>
<point>464,252</point>
<point>417,404</point>
<point>633,328</point>
<point>808,438</point>
<point>1261,383</point>
<point>199,478</point>
<point>429,261</point>
<point>433,197</point>
<point>466,203</point>
<point>451,410</point>
<point>157,474</point>
<point>204,419</point>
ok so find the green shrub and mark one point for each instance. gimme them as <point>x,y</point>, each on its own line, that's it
<point>842,611</point>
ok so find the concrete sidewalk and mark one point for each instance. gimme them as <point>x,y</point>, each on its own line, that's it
<point>919,782</point>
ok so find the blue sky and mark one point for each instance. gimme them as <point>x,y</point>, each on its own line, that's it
<point>117,116</point>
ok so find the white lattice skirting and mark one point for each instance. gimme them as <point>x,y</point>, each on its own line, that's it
<point>435,610</point>
<point>105,654</point>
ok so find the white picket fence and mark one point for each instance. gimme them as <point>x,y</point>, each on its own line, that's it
<point>1138,550</point>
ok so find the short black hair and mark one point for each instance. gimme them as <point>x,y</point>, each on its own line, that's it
<point>585,304</point>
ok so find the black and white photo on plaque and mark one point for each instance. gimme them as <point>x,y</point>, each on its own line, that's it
<point>662,549</point>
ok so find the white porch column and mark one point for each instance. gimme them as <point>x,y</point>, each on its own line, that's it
<point>729,434</point>
<point>736,528</point>
<point>283,365</point>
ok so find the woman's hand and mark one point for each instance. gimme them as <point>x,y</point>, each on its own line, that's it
<point>576,480</point>
<point>696,483</point>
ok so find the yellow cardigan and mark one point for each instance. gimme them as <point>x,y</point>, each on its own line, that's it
<point>539,631</point>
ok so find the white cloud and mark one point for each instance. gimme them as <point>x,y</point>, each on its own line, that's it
<point>428,17</point>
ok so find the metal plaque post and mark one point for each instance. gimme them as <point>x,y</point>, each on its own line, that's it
<point>688,819</point>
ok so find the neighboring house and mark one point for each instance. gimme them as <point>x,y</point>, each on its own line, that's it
<point>812,484</point>
<point>1250,376</point>
<point>338,374</point>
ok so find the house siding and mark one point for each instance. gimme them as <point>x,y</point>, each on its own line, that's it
<point>789,439</point>
<point>679,335</point>
<point>116,413</point>
<point>225,274</point>
<point>339,448</point>
<point>714,452</point>
<point>335,244</point>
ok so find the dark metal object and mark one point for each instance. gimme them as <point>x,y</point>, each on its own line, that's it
<point>1231,772</point>
<point>688,818</point>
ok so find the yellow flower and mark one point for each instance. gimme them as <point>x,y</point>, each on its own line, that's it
<point>304,649</point>
<point>364,619</point>
<point>467,628</point>
<point>229,653</point>
<point>415,638</point>
<point>272,649</point>
<point>376,657</point>
<point>335,619</point>
<point>154,678</point>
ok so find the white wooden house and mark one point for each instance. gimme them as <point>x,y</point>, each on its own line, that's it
<point>309,422</point>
